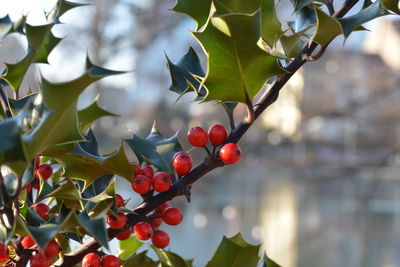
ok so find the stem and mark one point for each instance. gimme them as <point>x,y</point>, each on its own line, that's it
<point>250,110</point>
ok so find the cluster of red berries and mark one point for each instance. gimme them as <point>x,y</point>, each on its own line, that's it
<point>4,253</point>
<point>41,258</point>
<point>94,260</point>
<point>144,179</point>
<point>144,230</point>
<point>229,153</point>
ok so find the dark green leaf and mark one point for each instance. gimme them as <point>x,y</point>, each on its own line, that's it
<point>271,27</point>
<point>304,19</point>
<point>392,5</point>
<point>235,251</point>
<point>43,234</point>
<point>95,227</point>
<point>140,260</point>
<point>236,65</point>
<point>349,24</point>
<point>58,123</point>
<point>11,148</point>
<point>156,149</point>
<point>84,166</point>
<point>68,193</point>
<point>7,26</point>
<point>90,114</point>
<point>236,6</point>
<point>292,44</point>
<point>198,10</point>
<point>170,259</point>
<point>129,247</point>
<point>18,105</point>
<point>182,74</point>
<point>298,4</point>
<point>90,143</point>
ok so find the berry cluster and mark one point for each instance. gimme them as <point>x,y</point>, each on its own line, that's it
<point>41,258</point>
<point>229,153</point>
<point>94,260</point>
<point>44,171</point>
<point>144,180</point>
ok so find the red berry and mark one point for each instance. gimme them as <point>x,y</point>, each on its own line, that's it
<point>52,249</point>
<point>172,216</point>
<point>110,261</point>
<point>197,137</point>
<point>156,222</point>
<point>39,260</point>
<point>116,222</point>
<point>43,210</point>
<point>217,134</point>
<point>182,164</point>
<point>161,182</point>
<point>160,239</point>
<point>28,242</point>
<point>91,260</point>
<point>44,170</point>
<point>180,153</point>
<point>143,231</point>
<point>230,153</point>
<point>141,184</point>
<point>4,253</point>
<point>161,209</point>
<point>148,171</point>
<point>119,200</point>
<point>37,162</point>
<point>124,235</point>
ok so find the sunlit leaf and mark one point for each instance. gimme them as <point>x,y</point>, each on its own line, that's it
<point>198,10</point>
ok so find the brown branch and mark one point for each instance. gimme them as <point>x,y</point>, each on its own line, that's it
<point>210,163</point>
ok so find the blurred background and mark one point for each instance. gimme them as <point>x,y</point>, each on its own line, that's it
<point>319,183</point>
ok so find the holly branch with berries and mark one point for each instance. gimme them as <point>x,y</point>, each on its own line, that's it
<point>57,190</point>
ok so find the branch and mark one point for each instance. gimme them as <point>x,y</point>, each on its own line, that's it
<point>210,163</point>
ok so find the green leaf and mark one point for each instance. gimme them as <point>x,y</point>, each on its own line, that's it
<point>61,8</point>
<point>43,234</point>
<point>267,262</point>
<point>84,166</point>
<point>236,6</point>
<point>198,10</point>
<point>11,148</point>
<point>128,247</point>
<point>170,259</point>
<point>59,123</point>
<point>183,74</point>
<point>101,185</point>
<point>95,227</point>
<point>19,104</point>
<point>235,251</point>
<point>271,27</point>
<point>90,144</point>
<point>92,113</point>
<point>304,19</point>
<point>392,5</point>
<point>236,65</point>
<point>67,193</point>
<point>298,4</point>
<point>349,24</point>
<point>292,44</point>
<point>139,260</point>
<point>323,36</point>
<point>156,149</point>
<point>44,190</point>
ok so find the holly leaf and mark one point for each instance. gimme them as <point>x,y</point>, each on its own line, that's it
<point>292,44</point>
<point>299,4</point>
<point>90,144</point>
<point>198,10</point>
<point>11,148</point>
<point>7,26</point>
<point>140,260</point>
<point>169,259</point>
<point>19,104</point>
<point>90,114</point>
<point>267,262</point>
<point>156,149</point>
<point>183,74</point>
<point>129,247</point>
<point>81,165</point>
<point>271,27</point>
<point>236,6</point>
<point>304,19</point>
<point>67,193</point>
<point>43,234</point>
<point>59,123</point>
<point>237,67</point>
<point>373,11</point>
<point>392,5</point>
<point>235,251</point>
